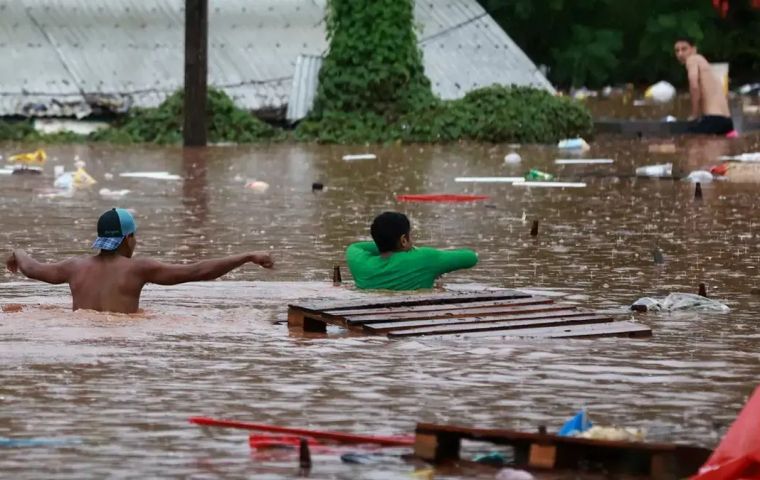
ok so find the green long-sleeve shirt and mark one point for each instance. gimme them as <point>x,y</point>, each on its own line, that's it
<point>412,270</point>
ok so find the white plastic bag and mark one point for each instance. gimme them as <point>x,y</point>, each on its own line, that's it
<point>681,302</point>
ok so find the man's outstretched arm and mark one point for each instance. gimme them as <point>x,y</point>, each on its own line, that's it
<point>55,273</point>
<point>153,271</point>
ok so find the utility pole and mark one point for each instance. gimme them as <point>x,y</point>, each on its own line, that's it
<point>196,67</point>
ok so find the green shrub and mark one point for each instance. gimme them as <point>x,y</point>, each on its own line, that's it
<point>373,90</point>
<point>163,125</point>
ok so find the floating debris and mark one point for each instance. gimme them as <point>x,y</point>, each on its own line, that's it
<point>360,156</point>
<point>583,161</point>
<point>151,175</point>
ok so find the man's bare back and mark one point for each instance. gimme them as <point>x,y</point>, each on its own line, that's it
<point>709,106</point>
<point>112,281</point>
<point>712,99</point>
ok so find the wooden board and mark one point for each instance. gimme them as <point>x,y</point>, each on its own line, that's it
<point>504,327</point>
<point>441,443</point>
<point>526,305</point>
<point>437,307</point>
<point>412,300</point>
<point>506,314</point>
<point>402,325</point>
<point>611,329</point>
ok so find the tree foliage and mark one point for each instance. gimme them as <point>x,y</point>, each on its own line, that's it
<point>598,42</point>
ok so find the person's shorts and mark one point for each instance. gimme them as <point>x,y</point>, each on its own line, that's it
<point>712,125</point>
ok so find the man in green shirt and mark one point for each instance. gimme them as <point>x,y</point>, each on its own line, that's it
<point>391,262</point>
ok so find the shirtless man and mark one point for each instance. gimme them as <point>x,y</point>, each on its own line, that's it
<point>112,280</point>
<point>709,107</point>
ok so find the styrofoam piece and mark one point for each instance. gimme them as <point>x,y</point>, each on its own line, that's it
<point>108,193</point>
<point>151,175</point>
<point>744,157</point>
<point>583,161</point>
<point>360,156</point>
<point>523,183</point>
<point>489,179</point>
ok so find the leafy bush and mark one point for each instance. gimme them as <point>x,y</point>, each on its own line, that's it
<point>163,125</point>
<point>373,89</point>
<point>374,63</point>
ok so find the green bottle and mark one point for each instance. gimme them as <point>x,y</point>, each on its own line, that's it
<point>537,175</point>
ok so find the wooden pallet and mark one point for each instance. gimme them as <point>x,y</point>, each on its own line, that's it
<point>441,443</point>
<point>506,314</point>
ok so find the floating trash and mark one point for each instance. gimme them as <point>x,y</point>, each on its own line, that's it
<point>576,425</point>
<point>744,157</point>
<point>583,161</point>
<point>512,158</point>
<point>699,176</point>
<point>627,434</point>
<point>660,92</point>
<point>37,442</point>
<point>661,170</point>
<point>513,474</point>
<point>489,179</point>
<point>550,184</point>
<point>536,174</point>
<point>440,197</point>
<point>573,144</point>
<point>151,175</point>
<point>257,186</point>
<point>108,193</point>
<point>361,156</point>
<point>37,157</point>
<point>679,301</point>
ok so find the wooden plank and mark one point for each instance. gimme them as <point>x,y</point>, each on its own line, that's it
<point>462,312</point>
<point>433,308</point>
<point>613,329</point>
<point>374,301</point>
<point>655,460</point>
<point>504,437</point>
<point>295,318</point>
<point>502,326</point>
<point>436,448</point>
<point>385,327</point>
<point>542,456</point>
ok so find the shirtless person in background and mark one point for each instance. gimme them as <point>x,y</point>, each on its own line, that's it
<point>709,107</point>
<point>112,280</point>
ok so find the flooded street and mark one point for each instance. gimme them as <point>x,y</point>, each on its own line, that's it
<point>121,387</point>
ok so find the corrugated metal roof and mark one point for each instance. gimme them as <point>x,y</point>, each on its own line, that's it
<point>60,56</point>
<point>304,87</point>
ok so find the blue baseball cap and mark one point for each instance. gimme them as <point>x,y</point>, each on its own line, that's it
<point>113,228</point>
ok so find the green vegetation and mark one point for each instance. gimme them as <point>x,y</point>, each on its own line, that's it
<point>163,125</point>
<point>599,42</point>
<point>372,88</point>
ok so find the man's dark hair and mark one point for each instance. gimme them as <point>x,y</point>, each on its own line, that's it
<point>687,39</point>
<point>387,229</point>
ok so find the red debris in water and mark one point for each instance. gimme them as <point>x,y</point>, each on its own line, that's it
<point>720,170</point>
<point>738,455</point>
<point>440,197</point>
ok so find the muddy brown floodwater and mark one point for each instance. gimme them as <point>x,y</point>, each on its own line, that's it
<point>123,386</point>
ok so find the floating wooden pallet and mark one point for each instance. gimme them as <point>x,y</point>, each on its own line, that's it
<point>441,443</point>
<point>506,313</point>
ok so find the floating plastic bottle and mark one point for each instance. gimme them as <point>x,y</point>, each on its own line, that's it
<point>537,175</point>
<point>662,170</point>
